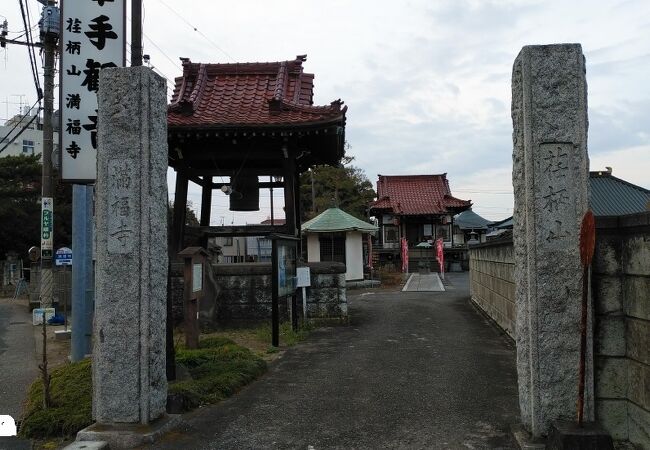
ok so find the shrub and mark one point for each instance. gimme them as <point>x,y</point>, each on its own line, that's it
<point>218,368</point>
<point>71,410</point>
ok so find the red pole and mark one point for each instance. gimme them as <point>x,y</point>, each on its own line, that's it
<point>587,244</point>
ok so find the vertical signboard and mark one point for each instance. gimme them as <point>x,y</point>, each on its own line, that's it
<point>93,37</point>
<point>47,224</point>
<point>286,268</point>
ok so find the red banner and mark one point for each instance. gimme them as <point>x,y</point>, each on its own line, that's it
<point>440,257</point>
<point>405,255</point>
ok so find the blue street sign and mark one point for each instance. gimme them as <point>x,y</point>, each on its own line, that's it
<point>63,257</point>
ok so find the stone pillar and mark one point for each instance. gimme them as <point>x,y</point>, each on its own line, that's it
<point>551,184</point>
<point>129,381</point>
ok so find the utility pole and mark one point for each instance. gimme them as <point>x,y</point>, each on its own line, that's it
<point>136,32</point>
<point>49,27</point>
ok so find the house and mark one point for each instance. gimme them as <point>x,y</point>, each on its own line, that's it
<point>418,208</point>
<point>233,249</point>
<point>30,141</point>
<point>335,235</point>
<point>470,228</point>
<point>259,248</point>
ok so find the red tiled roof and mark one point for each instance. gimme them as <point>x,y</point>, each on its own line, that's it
<point>416,195</point>
<point>248,95</point>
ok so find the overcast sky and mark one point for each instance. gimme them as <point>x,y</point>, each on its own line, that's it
<point>427,82</point>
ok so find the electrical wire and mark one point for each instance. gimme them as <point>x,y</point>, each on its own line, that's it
<point>197,30</point>
<point>175,63</point>
<point>30,48</point>
<point>155,69</point>
<point>19,122</point>
<point>31,40</point>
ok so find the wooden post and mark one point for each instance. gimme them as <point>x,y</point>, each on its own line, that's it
<point>206,201</point>
<point>289,166</point>
<point>193,290</point>
<point>180,208</point>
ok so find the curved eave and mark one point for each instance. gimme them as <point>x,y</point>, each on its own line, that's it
<point>336,121</point>
<point>339,230</point>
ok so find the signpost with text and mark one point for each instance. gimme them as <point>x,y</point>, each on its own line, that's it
<point>93,37</point>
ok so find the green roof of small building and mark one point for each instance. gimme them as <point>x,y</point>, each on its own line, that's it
<point>611,196</point>
<point>469,220</point>
<point>334,220</point>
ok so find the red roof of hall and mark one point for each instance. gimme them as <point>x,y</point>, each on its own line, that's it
<point>248,95</point>
<point>416,195</point>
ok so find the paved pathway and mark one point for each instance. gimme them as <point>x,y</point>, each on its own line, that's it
<point>428,282</point>
<point>413,370</point>
<point>18,365</point>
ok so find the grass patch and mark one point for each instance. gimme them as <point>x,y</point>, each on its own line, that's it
<point>71,410</point>
<point>218,368</point>
<point>288,337</point>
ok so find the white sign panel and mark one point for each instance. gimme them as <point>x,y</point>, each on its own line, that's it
<point>197,277</point>
<point>93,37</point>
<point>303,277</point>
<point>37,315</point>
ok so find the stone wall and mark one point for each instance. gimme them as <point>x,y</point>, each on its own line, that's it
<point>621,292</point>
<point>241,293</point>
<point>621,295</point>
<point>492,285</point>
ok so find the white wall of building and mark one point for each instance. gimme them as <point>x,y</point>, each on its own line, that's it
<point>233,249</point>
<point>30,142</point>
<point>313,248</point>
<point>353,255</point>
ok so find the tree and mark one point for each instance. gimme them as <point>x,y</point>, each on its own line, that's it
<point>345,186</point>
<point>20,207</point>
<point>190,216</point>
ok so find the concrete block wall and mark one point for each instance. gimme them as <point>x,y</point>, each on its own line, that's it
<point>240,293</point>
<point>621,294</point>
<point>492,284</point>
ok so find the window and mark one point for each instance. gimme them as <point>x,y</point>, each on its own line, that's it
<point>443,231</point>
<point>332,247</point>
<point>390,233</point>
<point>227,241</point>
<point>28,147</point>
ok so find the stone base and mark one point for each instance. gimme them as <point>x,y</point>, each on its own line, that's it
<point>62,335</point>
<point>123,436</point>
<point>568,436</point>
<point>525,440</point>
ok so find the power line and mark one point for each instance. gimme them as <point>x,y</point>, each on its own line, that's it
<point>197,30</point>
<point>20,121</point>
<point>158,71</point>
<point>30,48</point>
<point>175,63</point>
<point>483,192</point>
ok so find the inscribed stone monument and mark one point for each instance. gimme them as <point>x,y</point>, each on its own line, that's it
<point>550,178</point>
<point>129,381</point>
